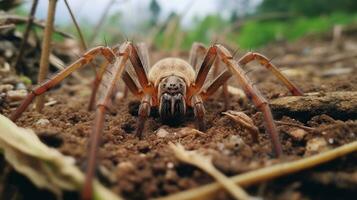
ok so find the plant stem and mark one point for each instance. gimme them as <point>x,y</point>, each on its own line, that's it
<point>19,68</point>
<point>83,43</point>
<point>45,51</point>
<point>267,173</point>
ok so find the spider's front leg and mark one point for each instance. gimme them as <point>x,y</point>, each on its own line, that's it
<point>199,111</point>
<point>143,113</point>
<point>44,87</point>
<point>102,107</point>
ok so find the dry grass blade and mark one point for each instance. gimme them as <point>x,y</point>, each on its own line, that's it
<point>45,51</point>
<point>26,35</point>
<point>267,173</point>
<point>205,163</point>
<point>7,19</point>
<point>45,167</point>
<point>81,37</point>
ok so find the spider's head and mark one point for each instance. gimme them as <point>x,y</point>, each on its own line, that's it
<point>172,105</point>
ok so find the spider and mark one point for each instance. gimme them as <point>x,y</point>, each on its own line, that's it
<point>171,85</point>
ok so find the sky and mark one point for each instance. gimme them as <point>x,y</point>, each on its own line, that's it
<point>135,11</point>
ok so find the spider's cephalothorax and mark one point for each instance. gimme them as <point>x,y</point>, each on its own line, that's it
<point>172,84</point>
<point>171,76</point>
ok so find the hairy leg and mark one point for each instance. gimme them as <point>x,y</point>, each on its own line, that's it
<point>43,87</point>
<point>144,112</point>
<point>253,94</point>
<point>267,64</point>
<point>197,52</point>
<point>215,84</point>
<point>96,83</point>
<point>199,111</point>
<point>102,107</point>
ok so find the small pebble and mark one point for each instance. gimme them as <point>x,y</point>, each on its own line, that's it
<point>5,68</point>
<point>20,86</point>
<point>16,95</point>
<point>6,87</point>
<point>316,145</point>
<point>330,140</point>
<point>170,165</point>
<point>162,133</point>
<point>126,166</point>
<point>51,103</point>
<point>298,134</point>
<point>42,122</point>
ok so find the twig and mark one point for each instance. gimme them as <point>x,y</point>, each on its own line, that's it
<point>83,43</point>
<point>14,19</point>
<point>7,26</point>
<point>20,68</point>
<point>84,46</point>
<point>205,163</point>
<point>244,120</point>
<point>45,50</point>
<point>296,125</point>
<point>267,173</point>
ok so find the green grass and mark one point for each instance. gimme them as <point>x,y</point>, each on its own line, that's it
<point>256,34</point>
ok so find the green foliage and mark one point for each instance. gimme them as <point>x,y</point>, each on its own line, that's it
<point>155,11</point>
<point>205,30</point>
<point>308,7</point>
<point>255,34</point>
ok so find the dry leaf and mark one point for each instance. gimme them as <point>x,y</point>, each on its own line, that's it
<point>45,167</point>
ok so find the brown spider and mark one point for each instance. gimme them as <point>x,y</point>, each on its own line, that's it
<point>171,84</point>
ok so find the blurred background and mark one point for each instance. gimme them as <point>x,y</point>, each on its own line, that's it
<point>176,24</point>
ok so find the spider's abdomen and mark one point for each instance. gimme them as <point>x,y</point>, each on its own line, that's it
<point>172,66</point>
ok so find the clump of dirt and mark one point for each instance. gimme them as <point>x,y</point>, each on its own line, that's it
<point>146,168</point>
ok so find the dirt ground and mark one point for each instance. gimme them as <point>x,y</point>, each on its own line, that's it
<point>146,168</point>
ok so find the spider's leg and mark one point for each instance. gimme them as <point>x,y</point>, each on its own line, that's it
<point>253,94</point>
<point>143,52</point>
<point>225,93</point>
<point>203,71</point>
<point>199,111</point>
<point>215,84</point>
<point>197,52</point>
<point>99,77</point>
<point>131,85</point>
<point>250,56</point>
<point>138,67</point>
<point>102,107</point>
<point>144,112</point>
<point>86,58</point>
<point>96,83</point>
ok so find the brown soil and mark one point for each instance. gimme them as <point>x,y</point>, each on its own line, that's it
<point>141,169</point>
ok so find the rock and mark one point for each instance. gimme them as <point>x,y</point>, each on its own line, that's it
<point>51,103</point>
<point>170,165</point>
<point>20,86</point>
<point>6,87</point>
<point>4,69</point>
<point>316,145</point>
<point>126,166</point>
<point>297,134</point>
<point>339,105</point>
<point>42,122</point>
<point>16,95</point>
<point>236,91</point>
<point>162,133</point>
